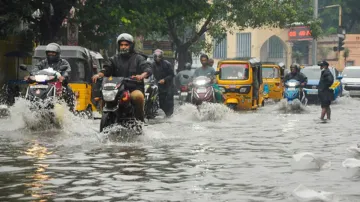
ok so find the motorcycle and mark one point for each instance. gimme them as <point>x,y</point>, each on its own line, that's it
<point>202,91</point>
<point>46,90</point>
<point>184,92</point>
<point>293,93</point>
<point>118,108</point>
<point>151,99</point>
<point>46,85</point>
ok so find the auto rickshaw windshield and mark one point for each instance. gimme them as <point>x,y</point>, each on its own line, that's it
<point>234,72</point>
<point>270,73</point>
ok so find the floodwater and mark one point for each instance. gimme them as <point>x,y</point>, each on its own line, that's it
<point>215,155</point>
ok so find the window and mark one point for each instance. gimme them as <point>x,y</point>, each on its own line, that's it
<point>234,72</point>
<point>77,70</point>
<point>269,73</point>
<point>220,49</point>
<point>243,44</point>
<point>349,63</point>
<point>276,49</point>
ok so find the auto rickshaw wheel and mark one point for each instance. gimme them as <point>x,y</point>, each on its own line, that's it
<point>232,106</point>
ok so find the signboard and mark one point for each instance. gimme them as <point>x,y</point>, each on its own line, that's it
<point>150,46</point>
<point>300,33</point>
<point>72,34</point>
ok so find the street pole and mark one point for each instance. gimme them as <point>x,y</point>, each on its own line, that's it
<point>314,42</point>
<point>340,66</point>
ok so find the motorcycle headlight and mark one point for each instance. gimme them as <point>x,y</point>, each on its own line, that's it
<point>109,95</point>
<point>200,82</point>
<point>292,84</point>
<point>41,78</point>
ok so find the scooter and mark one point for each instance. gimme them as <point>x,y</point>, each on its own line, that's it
<point>184,92</point>
<point>202,91</point>
<point>294,94</point>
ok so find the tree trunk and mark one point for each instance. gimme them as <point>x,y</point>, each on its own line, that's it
<point>183,56</point>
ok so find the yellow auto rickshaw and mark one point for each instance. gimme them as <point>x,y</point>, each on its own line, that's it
<point>273,75</point>
<point>81,63</point>
<point>240,80</point>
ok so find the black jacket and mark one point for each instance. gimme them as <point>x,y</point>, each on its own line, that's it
<point>43,64</point>
<point>163,70</point>
<point>326,80</point>
<point>298,76</point>
<point>127,66</point>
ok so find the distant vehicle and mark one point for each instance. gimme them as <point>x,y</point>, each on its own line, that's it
<point>351,80</point>
<point>313,74</point>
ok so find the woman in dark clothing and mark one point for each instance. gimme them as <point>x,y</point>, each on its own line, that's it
<point>326,95</point>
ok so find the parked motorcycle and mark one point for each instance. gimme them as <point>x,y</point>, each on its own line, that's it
<point>202,91</point>
<point>151,99</point>
<point>118,108</point>
<point>293,93</point>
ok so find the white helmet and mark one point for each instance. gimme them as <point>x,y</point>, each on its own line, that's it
<point>53,47</point>
<point>125,37</point>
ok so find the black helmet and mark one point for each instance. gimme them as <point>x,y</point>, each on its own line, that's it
<point>53,47</point>
<point>296,66</point>
<point>125,37</point>
<point>188,66</point>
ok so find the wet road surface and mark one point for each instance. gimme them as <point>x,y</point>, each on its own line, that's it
<point>215,155</point>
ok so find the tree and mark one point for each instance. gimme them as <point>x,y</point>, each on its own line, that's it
<point>346,54</point>
<point>44,17</point>
<point>186,21</point>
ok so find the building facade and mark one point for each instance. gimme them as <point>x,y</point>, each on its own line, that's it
<point>265,44</point>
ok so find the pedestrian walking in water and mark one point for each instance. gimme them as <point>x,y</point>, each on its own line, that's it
<point>326,94</point>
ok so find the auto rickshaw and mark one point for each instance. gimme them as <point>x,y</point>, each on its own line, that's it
<point>240,80</point>
<point>81,63</point>
<point>273,75</point>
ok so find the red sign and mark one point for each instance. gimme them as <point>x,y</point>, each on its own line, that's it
<point>300,33</point>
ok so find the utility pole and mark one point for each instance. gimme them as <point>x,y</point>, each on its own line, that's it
<point>314,42</point>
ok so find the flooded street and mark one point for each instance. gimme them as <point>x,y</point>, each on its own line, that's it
<point>217,155</point>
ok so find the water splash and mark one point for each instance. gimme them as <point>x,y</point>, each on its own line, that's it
<point>204,112</point>
<point>308,161</point>
<point>302,193</point>
<point>294,107</point>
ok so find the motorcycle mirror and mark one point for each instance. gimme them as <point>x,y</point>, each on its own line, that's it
<point>186,76</point>
<point>217,72</point>
<point>63,68</point>
<point>23,67</point>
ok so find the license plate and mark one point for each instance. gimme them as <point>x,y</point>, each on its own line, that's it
<point>291,88</point>
<point>184,94</point>
<point>39,86</point>
<point>312,92</point>
<point>232,86</point>
<point>201,90</point>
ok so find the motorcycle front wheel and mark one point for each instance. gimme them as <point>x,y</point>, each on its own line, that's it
<point>106,120</point>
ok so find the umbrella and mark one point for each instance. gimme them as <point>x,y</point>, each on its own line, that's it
<point>18,54</point>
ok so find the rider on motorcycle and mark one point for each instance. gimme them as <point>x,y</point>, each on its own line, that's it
<point>128,63</point>
<point>54,61</point>
<point>182,81</point>
<point>206,70</point>
<point>296,75</point>
<point>164,73</point>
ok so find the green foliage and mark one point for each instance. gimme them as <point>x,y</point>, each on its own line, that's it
<point>45,26</point>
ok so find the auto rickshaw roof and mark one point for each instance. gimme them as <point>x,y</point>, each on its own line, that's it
<point>96,55</point>
<point>66,52</point>
<point>252,61</point>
